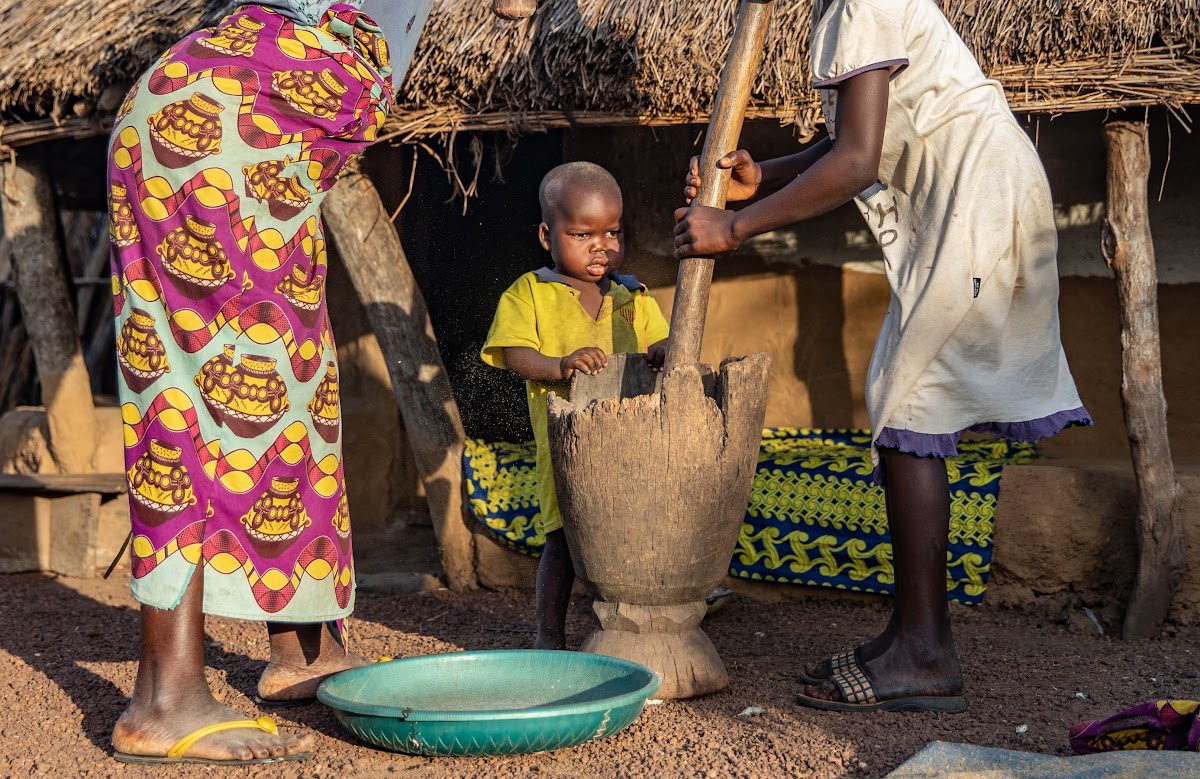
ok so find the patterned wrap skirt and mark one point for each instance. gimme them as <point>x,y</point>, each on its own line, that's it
<point>220,158</point>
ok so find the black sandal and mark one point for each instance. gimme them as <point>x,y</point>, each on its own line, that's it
<point>838,662</point>
<point>858,694</point>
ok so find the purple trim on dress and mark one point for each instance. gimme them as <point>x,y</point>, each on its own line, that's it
<point>833,82</point>
<point>946,444</point>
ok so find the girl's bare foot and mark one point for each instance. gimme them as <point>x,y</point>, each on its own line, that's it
<point>151,730</point>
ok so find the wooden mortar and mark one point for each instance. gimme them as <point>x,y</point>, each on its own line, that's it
<point>654,470</point>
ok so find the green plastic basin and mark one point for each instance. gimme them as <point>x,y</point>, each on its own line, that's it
<point>499,702</point>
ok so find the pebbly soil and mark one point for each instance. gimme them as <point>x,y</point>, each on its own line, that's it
<point>68,650</point>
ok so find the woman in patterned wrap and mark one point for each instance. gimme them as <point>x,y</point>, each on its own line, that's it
<point>218,162</point>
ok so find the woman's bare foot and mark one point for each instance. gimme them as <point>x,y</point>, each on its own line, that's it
<point>171,698</point>
<point>302,656</point>
<point>281,682</point>
<point>151,730</point>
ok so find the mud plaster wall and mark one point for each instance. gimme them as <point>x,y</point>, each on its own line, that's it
<point>1064,533</point>
<point>812,296</point>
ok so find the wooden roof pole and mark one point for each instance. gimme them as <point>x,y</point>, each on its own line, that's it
<point>1129,251</point>
<point>31,226</point>
<point>368,245</point>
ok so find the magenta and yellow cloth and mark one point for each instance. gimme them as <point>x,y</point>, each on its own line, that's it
<point>220,158</point>
<point>1157,725</point>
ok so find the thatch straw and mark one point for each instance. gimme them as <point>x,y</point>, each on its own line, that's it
<point>654,62</point>
<point>55,54</point>
<point>615,61</point>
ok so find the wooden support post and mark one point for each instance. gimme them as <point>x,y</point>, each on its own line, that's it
<point>368,244</point>
<point>30,225</point>
<point>1129,251</point>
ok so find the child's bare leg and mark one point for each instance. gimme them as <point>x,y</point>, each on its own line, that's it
<point>171,697</point>
<point>556,575</point>
<point>920,659</point>
<point>302,656</point>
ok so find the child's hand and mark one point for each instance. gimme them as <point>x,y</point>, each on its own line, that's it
<point>588,360</point>
<point>656,355</point>
<point>743,184</point>
<point>701,231</point>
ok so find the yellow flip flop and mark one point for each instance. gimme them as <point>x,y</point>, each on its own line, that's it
<point>178,752</point>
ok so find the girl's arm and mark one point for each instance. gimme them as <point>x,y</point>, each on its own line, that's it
<point>749,178</point>
<point>781,171</point>
<point>532,365</point>
<point>849,166</point>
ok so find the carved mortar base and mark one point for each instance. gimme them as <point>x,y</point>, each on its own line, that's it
<point>666,638</point>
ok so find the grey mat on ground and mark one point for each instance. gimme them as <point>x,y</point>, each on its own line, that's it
<point>945,760</point>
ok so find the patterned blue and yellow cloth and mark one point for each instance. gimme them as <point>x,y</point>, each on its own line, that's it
<point>815,516</point>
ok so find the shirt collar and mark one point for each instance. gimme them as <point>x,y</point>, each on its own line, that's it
<point>625,280</point>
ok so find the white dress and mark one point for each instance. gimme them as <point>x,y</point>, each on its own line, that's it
<point>965,219</point>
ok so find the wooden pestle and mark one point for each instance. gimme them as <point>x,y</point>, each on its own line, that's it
<point>724,129</point>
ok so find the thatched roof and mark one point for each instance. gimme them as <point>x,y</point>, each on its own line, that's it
<point>656,62</point>
<point>57,52</point>
<point>610,61</point>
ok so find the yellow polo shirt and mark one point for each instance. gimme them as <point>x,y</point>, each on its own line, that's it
<point>541,311</point>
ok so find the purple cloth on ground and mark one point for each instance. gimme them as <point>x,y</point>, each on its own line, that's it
<point>1153,725</point>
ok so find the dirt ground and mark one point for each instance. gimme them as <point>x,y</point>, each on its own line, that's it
<point>68,653</point>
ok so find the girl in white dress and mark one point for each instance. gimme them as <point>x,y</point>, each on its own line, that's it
<point>956,196</point>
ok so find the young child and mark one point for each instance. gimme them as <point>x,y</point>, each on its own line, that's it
<point>955,194</point>
<point>553,322</point>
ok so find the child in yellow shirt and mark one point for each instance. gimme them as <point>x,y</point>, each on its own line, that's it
<point>553,322</point>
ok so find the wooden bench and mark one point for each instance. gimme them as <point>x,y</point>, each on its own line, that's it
<point>50,521</point>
